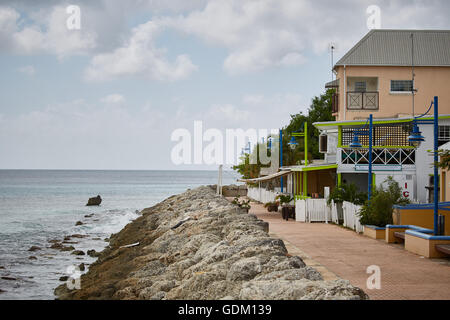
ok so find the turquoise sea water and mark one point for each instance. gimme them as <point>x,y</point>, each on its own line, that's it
<point>40,205</point>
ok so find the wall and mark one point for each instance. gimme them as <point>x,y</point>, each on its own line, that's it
<point>420,217</point>
<point>430,82</point>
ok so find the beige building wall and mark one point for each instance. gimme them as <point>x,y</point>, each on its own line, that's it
<point>429,81</point>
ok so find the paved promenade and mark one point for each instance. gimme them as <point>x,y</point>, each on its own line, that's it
<point>338,252</point>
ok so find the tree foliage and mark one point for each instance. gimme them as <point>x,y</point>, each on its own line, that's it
<point>320,110</point>
<point>347,192</point>
<point>378,211</point>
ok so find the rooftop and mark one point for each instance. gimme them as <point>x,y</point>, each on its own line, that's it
<point>383,47</point>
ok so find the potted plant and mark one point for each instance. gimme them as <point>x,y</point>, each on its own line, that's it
<point>284,199</point>
<point>346,192</point>
<point>245,205</point>
<point>272,206</point>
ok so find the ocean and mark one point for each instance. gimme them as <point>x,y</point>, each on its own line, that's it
<point>41,205</point>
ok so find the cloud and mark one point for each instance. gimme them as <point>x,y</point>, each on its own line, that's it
<point>113,99</point>
<point>262,34</point>
<point>78,134</point>
<point>28,70</point>
<point>139,56</point>
<point>47,34</point>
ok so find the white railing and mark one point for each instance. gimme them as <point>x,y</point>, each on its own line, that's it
<point>334,213</point>
<point>351,218</point>
<point>261,195</point>
<point>312,210</point>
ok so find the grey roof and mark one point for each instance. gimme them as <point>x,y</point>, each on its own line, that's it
<point>381,47</point>
<point>332,84</point>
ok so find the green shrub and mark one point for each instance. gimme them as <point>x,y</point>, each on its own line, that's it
<point>284,198</point>
<point>347,192</point>
<point>378,211</point>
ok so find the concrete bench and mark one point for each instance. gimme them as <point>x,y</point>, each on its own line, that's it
<point>443,248</point>
<point>400,235</point>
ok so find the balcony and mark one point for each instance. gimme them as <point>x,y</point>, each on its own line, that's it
<point>366,100</point>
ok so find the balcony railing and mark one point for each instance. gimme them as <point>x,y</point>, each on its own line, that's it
<point>335,103</point>
<point>367,100</point>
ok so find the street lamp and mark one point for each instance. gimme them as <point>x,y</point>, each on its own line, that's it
<point>356,145</point>
<point>416,138</point>
<point>293,143</point>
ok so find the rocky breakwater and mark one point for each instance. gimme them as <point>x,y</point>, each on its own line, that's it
<point>198,245</point>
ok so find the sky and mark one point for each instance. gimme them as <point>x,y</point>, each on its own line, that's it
<point>109,92</point>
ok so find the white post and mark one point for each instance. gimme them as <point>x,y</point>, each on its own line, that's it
<point>219,183</point>
<point>326,194</point>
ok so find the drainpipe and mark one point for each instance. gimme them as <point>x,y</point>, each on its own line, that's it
<point>345,93</point>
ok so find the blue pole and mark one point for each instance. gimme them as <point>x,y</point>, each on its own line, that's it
<point>436,183</point>
<point>281,156</point>
<point>370,157</point>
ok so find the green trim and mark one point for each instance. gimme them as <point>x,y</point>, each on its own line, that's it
<point>359,123</point>
<point>373,180</point>
<point>306,143</point>
<point>305,169</point>
<point>381,147</point>
<point>301,197</point>
<point>339,179</point>
<point>339,137</point>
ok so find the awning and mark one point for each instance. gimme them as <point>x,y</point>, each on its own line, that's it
<point>266,178</point>
<point>324,166</point>
<point>332,84</point>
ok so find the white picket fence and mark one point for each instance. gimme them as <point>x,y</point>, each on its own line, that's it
<point>261,195</point>
<point>351,219</point>
<point>312,210</point>
<point>317,210</point>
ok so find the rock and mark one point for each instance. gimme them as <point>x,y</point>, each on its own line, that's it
<point>67,248</point>
<point>93,253</point>
<point>32,258</point>
<point>219,252</point>
<point>64,278</point>
<point>1,291</point>
<point>77,235</point>
<point>34,248</point>
<point>9,278</point>
<point>95,201</point>
<point>79,223</point>
<point>2,267</point>
<point>54,241</point>
<point>89,215</point>
<point>78,252</point>
<point>82,267</point>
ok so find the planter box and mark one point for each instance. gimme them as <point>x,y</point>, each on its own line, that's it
<point>374,232</point>
<point>424,244</point>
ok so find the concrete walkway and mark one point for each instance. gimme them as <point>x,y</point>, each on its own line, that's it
<point>338,252</point>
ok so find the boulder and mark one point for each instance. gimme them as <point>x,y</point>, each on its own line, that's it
<point>34,248</point>
<point>79,223</point>
<point>93,253</point>
<point>95,201</point>
<point>78,252</point>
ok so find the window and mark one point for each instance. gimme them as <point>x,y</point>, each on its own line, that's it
<point>444,135</point>
<point>401,85</point>
<point>323,143</point>
<point>360,86</point>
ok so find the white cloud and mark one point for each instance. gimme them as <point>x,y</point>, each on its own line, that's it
<point>140,56</point>
<point>28,70</point>
<point>48,35</point>
<point>113,99</point>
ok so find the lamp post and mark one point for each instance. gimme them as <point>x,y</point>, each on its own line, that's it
<point>416,138</point>
<point>356,145</point>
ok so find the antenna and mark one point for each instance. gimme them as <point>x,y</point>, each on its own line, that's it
<point>332,48</point>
